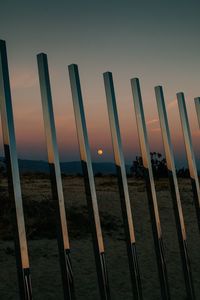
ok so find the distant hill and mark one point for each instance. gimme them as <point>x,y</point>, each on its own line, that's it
<point>72,167</point>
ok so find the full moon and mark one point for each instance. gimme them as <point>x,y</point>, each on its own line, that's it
<point>100,152</point>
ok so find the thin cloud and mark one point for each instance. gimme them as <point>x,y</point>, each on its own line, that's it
<point>153,121</point>
<point>155,129</point>
<point>172,104</point>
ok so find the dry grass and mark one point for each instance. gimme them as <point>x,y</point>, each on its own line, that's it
<point>40,216</point>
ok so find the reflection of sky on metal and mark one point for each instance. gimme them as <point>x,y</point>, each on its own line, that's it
<point>197,105</point>
<point>118,153</point>
<point>85,151</point>
<point>166,136</point>
<point>150,186</point>
<point>12,163</point>
<point>187,135</point>
<point>175,194</point>
<point>89,182</point>
<point>144,145</point>
<point>144,39</point>
<point>123,185</point>
<point>51,141</point>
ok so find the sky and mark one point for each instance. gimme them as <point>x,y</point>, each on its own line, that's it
<point>157,41</point>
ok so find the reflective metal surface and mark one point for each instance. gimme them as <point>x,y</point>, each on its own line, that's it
<point>123,186</point>
<point>55,173</point>
<point>197,105</point>
<point>189,153</point>
<point>180,226</point>
<point>150,186</point>
<point>89,181</point>
<point>13,177</point>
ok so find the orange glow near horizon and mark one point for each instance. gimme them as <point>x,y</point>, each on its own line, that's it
<point>30,129</point>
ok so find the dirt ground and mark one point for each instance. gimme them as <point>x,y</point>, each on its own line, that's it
<point>41,233</point>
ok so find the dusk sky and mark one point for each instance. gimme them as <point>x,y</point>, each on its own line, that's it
<point>157,41</point>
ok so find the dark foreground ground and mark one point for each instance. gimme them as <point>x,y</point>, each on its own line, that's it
<point>40,221</point>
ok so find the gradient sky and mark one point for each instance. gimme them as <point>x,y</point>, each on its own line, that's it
<point>157,41</point>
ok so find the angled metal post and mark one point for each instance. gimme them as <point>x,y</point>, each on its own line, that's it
<point>175,194</point>
<point>189,153</point>
<point>123,186</point>
<point>89,181</point>
<point>13,177</point>
<point>150,186</point>
<point>56,180</point>
<point>197,105</point>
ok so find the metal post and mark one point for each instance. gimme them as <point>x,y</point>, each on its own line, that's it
<point>175,194</point>
<point>197,105</point>
<point>89,181</point>
<point>123,186</point>
<point>14,178</point>
<point>150,186</point>
<point>189,153</point>
<point>55,173</point>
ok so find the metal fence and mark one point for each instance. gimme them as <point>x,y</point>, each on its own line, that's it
<point>15,194</point>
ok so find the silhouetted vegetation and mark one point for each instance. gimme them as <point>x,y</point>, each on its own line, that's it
<point>2,168</point>
<point>98,174</point>
<point>158,165</point>
<point>183,173</point>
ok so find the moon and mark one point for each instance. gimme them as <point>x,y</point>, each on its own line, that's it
<point>100,152</point>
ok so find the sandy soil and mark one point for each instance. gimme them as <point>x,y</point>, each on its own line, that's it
<point>45,270</point>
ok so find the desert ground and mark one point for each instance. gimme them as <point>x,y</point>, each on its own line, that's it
<point>41,234</point>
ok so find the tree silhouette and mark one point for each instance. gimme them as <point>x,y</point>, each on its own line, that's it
<point>2,168</point>
<point>158,162</point>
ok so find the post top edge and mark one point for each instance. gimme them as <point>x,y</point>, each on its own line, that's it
<point>41,54</point>
<point>180,94</point>
<point>2,43</point>
<point>73,66</point>
<point>107,72</point>
<point>158,87</point>
<point>134,79</point>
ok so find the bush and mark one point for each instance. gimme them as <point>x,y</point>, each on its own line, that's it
<point>2,168</point>
<point>158,162</point>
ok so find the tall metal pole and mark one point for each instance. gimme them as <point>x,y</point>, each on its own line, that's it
<point>89,181</point>
<point>189,153</point>
<point>14,186</point>
<point>197,105</point>
<point>178,212</point>
<point>123,186</point>
<point>55,173</point>
<point>150,186</point>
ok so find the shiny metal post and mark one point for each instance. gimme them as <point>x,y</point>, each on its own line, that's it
<point>150,186</point>
<point>56,180</point>
<point>197,105</point>
<point>89,181</point>
<point>175,194</point>
<point>189,153</point>
<point>123,186</point>
<point>14,186</point>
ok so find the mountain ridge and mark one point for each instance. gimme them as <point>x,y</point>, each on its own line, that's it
<point>69,167</point>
